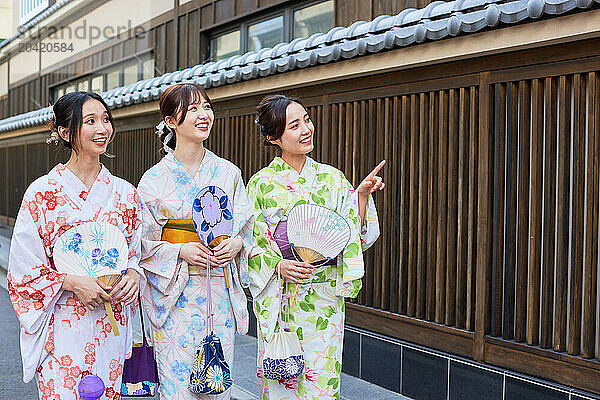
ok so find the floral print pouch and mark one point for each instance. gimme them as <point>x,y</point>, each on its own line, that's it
<point>284,357</point>
<point>210,372</point>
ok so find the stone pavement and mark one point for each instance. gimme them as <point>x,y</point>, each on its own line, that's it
<point>243,369</point>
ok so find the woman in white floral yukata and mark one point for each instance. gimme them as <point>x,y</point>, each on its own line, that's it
<point>173,257</point>
<point>316,293</point>
<point>65,331</point>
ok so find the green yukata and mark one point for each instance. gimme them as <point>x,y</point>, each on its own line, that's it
<point>316,306</point>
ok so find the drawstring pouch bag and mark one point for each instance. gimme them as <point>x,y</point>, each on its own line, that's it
<point>283,357</point>
<point>140,372</point>
<point>210,372</point>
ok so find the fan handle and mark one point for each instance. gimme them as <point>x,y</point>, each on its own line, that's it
<point>111,280</point>
<point>214,243</point>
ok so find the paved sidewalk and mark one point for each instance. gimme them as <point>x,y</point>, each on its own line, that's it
<point>243,369</point>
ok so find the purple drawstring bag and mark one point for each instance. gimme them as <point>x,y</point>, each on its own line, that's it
<point>140,373</point>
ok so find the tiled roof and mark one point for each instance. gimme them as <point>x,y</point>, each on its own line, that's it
<point>436,21</point>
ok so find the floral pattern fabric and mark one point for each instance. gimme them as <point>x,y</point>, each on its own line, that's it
<point>175,300</point>
<point>61,340</point>
<point>317,306</point>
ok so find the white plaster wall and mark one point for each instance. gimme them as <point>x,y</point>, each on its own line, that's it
<point>104,22</point>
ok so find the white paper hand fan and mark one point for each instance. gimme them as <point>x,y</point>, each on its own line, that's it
<point>316,233</point>
<point>93,249</point>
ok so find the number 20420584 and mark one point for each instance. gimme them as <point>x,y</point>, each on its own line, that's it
<point>57,47</point>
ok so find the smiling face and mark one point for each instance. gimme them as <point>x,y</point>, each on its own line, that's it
<point>197,124</point>
<point>297,138</point>
<point>96,129</point>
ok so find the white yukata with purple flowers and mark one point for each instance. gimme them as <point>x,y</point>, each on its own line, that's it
<point>176,300</point>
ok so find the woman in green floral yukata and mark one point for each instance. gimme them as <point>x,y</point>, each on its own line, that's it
<point>316,294</point>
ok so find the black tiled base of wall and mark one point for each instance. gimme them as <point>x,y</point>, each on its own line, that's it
<point>425,374</point>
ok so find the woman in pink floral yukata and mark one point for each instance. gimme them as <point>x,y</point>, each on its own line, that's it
<point>65,331</point>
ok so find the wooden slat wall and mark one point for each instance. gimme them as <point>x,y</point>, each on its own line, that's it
<point>555,151</point>
<point>134,152</point>
<point>354,136</point>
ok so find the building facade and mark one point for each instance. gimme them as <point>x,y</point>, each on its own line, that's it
<point>484,283</point>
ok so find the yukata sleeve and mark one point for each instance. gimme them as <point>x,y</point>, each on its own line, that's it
<point>34,287</point>
<point>351,268</point>
<point>166,273</point>
<point>369,232</point>
<point>134,239</point>
<point>244,222</point>
<point>263,259</point>
<point>159,259</point>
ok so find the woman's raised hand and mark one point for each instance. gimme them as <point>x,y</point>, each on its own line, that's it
<point>90,291</point>
<point>372,182</point>
<point>295,271</point>
<point>226,251</point>
<point>195,253</point>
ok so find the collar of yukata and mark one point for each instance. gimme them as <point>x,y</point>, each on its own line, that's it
<point>280,162</point>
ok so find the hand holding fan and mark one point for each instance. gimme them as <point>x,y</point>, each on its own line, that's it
<point>212,214</point>
<point>96,250</point>
<point>317,234</point>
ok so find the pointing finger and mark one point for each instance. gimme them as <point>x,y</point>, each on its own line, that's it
<point>376,170</point>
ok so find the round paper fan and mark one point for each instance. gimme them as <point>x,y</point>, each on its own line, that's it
<point>93,249</point>
<point>212,214</point>
<point>316,233</point>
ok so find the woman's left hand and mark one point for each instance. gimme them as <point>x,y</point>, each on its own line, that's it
<point>127,288</point>
<point>226,251</point>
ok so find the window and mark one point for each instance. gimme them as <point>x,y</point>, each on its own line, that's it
<point>83,86</point>
<point>265,33</point>
<point>313,19</point>
<point>97,84</point>
<point>290,23</point>
<point>130,74</point>
<point>148,69</point>
<point>119,75</point>
<point>224,46</point>
<point>113,80</point>
<point>30,8</point>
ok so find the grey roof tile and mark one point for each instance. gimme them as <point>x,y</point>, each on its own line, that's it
<point>436,21</point>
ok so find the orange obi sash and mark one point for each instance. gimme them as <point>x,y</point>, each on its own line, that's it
<point>179,231</point>
<point>182,231</point>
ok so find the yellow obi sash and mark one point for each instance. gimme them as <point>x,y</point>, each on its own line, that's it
<point>179,231</point>
<point>182,231</point>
